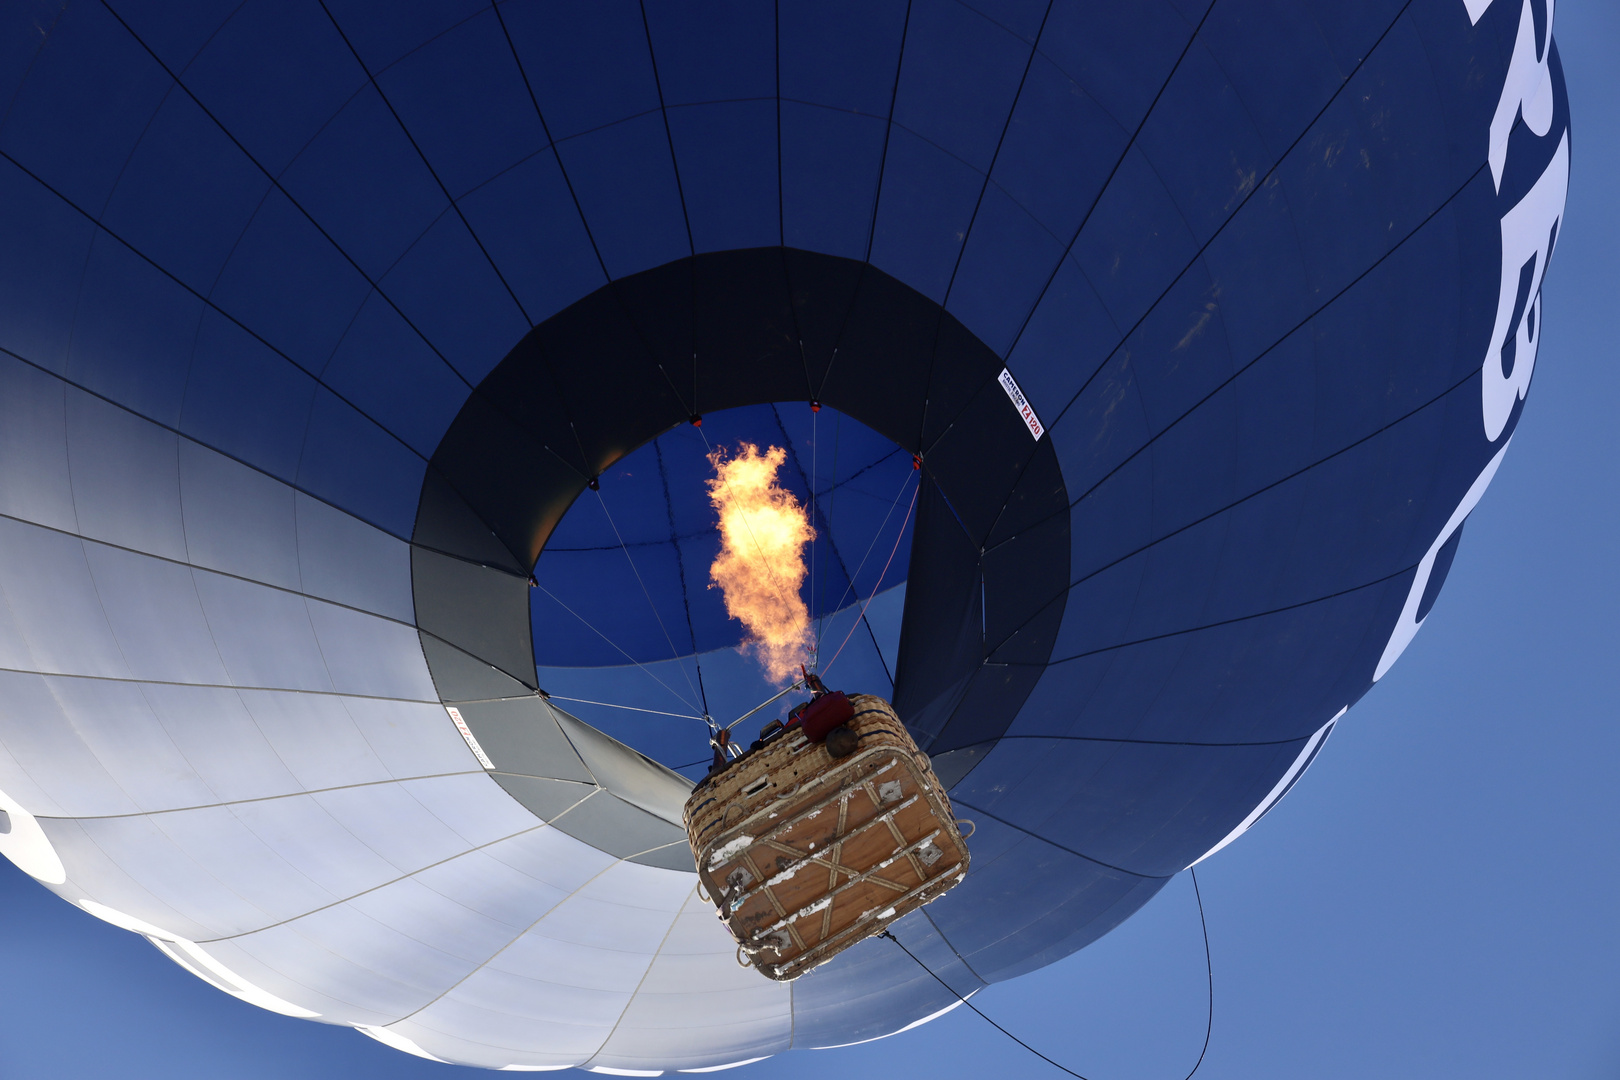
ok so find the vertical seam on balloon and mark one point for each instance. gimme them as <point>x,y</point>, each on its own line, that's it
<point>381,885</point>
<point>1130,144</point>
<point>1302,470</point>
<point>781,242</point>
<point>776,33</point>
<point>177,431</point>
<point>1125,153</point>
<point>888,126</point>
<point>320,650</point>
<point>579,208</point>
<point>179,750</point>
<point>473,233</point>
<point>276,185</point>
<point>447,991</point>
<point>1065,256</point>
<point>191,577</point>
<point>877,200</point>
<point>680,192</point>
<point>669,135</point>
<point>1199,254</point>
<point>56,697</point>
<point>551,142</point>
<point>973,218</point>
<point>674,918</point>
<point>432,38</point>
<point>207,301</point>
<point>123,166</point>
<point>90,575</point>
<point>1240,371</point>
<point>65,383</point>
<point>247,711</point>
<point>1304,322</point>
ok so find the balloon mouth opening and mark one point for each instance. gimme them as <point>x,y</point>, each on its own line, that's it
<point>712,562</point>
<point>579,462</point>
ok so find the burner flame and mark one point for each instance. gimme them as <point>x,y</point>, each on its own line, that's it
<point>761,567</point>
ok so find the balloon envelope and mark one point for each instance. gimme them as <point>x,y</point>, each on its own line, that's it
<point>326,326</point>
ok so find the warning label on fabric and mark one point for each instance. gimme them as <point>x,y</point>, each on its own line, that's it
<point>466,733</point>
<point>1025,410</point>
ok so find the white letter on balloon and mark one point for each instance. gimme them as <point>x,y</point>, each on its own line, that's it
<point>1528,233</point>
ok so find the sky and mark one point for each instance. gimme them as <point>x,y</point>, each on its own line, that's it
<point>1436,898</point>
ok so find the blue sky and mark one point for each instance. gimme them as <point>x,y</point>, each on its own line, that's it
<point>1435,899</point>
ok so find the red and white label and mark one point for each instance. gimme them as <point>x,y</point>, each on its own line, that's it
<point>1025,410</point>
<point>466,733</point>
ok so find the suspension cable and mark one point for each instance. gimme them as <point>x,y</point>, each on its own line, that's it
<point>649,672</point>
<point>815,414</point>
<point>631,708</point>
<point>680,570</point>
<point>674,653</point>
<point>838,430</point>
<point>879,583</point>
<point>774,697</point>
<point>848,588</point>
<point>1209,969</point>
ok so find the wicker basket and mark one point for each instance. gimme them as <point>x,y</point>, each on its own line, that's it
<point>804,855</point>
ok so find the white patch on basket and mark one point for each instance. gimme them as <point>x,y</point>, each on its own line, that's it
<point>811,909</point>
<point>729,850</point>
<point>929,854</point>
<point>889,790</point>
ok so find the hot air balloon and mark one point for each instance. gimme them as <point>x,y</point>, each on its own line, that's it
<point>1136,368</point>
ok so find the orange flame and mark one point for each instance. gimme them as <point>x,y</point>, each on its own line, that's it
<point>760,568</point>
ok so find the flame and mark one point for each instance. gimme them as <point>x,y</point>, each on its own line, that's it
<point>761,568</point>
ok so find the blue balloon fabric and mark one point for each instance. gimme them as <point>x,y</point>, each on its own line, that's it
<point>1139,366</point>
